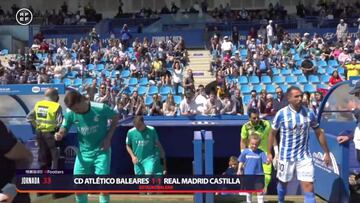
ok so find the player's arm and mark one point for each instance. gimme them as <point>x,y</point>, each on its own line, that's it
<point>322,140</point>
<point>113,124</point>
<point>272,143</point>
<point>31,118</point>
<point>134,159</point>
<point>65,126</point>
<point>244,138</point>
<point>162,154</point>
<point>240,168</point>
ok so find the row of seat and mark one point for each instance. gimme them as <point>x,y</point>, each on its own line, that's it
<point>246,89</point>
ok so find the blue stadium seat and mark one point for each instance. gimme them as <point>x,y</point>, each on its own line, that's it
<point>88,81</point>
<point>165,90</point>
<point>297,71</point>
<point>321,63</point>
<point>322,86</point>
<point>125,74</point>
<point>153,90</point>
<point>333,63</point>
<point>148,100</point>
<point>270,89</point>
<point>180,89</point>
<point>243,52</point>
<point>72,74</point>
<point>302,79</point>
<point>257,88</point>
<point>90,66</point>
<point>309,88</point>
<point>56,81</point>
<point>293,51</point>
<point>298,63</point>
<point>278,79</point>
<point>177,99</point>
<point>247,99</point>
<point>133,81</point>
<point>297,57</point>
<point>341,70</point>
<point>73,55</point>
<point>142,90</point>
<point>245,89</point>
<point>275,71</point>
<point>285,71</point>
<point>314,79</point>
<point>143,81</point>
<point>284,87</point>
<point>67,82</point>
<point>243,80</point>
<point>129,90</point>
<point>290,79</point>
<point>100,67</point>
<point>265,79</point>
<point>78,82</point>
<point>254,79</point>
<point>321,70</point>
<point>325,79</point>
<point>330,70</point>
<point>4,52</point>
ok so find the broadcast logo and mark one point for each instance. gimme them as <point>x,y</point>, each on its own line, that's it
<point>36,89</point>
<point>24,16</point>
<point>70,155</point>
<point>319,162</point>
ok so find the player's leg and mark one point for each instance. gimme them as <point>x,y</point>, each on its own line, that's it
<point>82,166</point>
<point>54,150</point>
<point>284,174</point>
<point>42,152</point>
<point>151,166</point>
<point>305,174</point>
<point>267,175</point>
<point>102,167</point>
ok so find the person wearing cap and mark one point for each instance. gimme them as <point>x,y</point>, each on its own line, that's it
<point>341,30</point>
<point>46,118</point>
<point>344,56</point>
<point>356,112</point>
<point>270,32</point>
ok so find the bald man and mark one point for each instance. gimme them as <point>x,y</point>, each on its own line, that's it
<point>46,118</point>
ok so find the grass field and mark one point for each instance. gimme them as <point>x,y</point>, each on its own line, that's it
<point>164,199</point>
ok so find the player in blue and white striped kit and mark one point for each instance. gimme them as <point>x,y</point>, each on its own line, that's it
<point>294,122</point>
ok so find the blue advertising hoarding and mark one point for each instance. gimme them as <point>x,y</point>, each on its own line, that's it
<point>17,89</point>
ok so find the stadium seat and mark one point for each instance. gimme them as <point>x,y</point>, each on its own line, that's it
<point>278,79</point>
<point>143,81</point>
<point>90,66</point>
<point>88,81</point>
<point>180,89</point>
<point>133,81</point>
<point>325,79</point>
<point>247,99</point>
<point>100,67</point>
<point>321,63</point>
<point>265,79</point>
<point>314,79</point>
<point>148,100</point>
<point>125,74</point>
<point>258,88</point>
<point>298,63</point>
<point>297,71</point>
<point>290,79</point>
<point>322,86</point>
<point>254,79</point>
<point>72,74</point>
<point>333,63</point>
<point>293,51</point>
<point>243,52</point>
<point>243,80</point>
<point>321,70</point>
<point>275,71</point>
<point>284,87</point>
<point>73,55</point>
<point>67,82</point>
<point>129,90</point>
<point>78,82</point>
<point>297,57</point>
<point>56,81</point>
<point>4,52</point>
<point>165,90</point>
<point>153,90</point>
<point>245,89</point>
<point>341,70</point>
<point>177,99</point>
<point>285,71</point>
<point>302,79</point>
<point>270,89</point>
<point>142,90</point>
<point>309,88</point>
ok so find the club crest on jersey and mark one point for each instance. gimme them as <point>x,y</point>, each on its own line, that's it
<point>96,118</point>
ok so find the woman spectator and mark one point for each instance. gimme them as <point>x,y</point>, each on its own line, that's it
<point>268,110</point>
<point>177,76</point>
<point>189,83</point>
<point>156,107</point>
<point>68,62</point>
<point>42,77</point>
<point>262,101</point>
<point>335,78</point>
<point>169,107</point>
<point>306,100</point>
<point>316,103</point>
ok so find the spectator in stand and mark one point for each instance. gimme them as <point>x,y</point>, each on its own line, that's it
<point>156,106</point>
<point>236,97</point>
<point>270,32</point>
<point>39,36</point>
<point>200,100</point>
<point>226,46</point>
<point>235,37</point>
<point>229,105</point>
<point>189,82</point>
<point>306,100</point>
<point>125,36</point>
<point>103,96</point>
<point>352,69</point>
<point>316,103</point>
<point>341,30</point>
<point>344,57</point>
<point>177,76</point>
<point>262,101</point>
<point>307,67</point>
<point>213,105</point>
<point>188,105</point>
<point>169,107</point>
<point>335,78</point>
<point>263,65</point>
<point>280,101</point>
<point>137,104</point>
<point>254,102</point>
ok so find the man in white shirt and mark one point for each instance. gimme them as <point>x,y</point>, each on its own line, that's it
<point>226,46</point>
<point>213,105</point>
<point>187,105</point>
<point>200,100</point>
<point>270,32</point>
<point>341,30</point>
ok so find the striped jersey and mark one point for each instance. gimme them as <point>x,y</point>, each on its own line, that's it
<point>294,132</point>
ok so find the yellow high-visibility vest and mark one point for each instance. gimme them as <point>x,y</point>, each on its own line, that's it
<point>45,115</point>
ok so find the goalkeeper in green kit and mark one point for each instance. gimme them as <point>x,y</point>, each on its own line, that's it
<point>145,150</point>
<point>94,136</point>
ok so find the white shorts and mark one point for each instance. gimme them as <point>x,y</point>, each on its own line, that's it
<point>304,170</point>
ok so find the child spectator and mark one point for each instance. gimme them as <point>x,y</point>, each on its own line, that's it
<point>233,166</point>
<point>250,163</point>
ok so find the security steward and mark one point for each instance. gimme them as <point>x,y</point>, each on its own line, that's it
<point>46,118</point>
